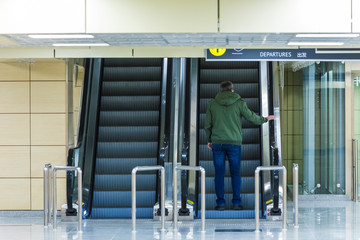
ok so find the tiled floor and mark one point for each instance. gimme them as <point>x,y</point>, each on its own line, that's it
<point>318,219</point>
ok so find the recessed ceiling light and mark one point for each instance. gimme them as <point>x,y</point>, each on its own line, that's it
<point>62,36</point>
<point>80,44</point>
<point>327,35</point>
<point>315,43</point>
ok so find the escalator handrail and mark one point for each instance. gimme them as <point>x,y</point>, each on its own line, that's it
<point>88,130</point>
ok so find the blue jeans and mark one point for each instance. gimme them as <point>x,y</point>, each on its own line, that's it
<point>233,152</point>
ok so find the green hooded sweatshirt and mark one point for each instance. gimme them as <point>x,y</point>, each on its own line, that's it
<point>223,118</point>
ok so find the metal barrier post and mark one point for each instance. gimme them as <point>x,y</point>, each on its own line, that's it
<point>257,211</point>
<point>47,194</point>
<point>296,193</point>
<point>133,193</point>
<point>202,170</point>
<point>355,168</point>
<point>79,194</point>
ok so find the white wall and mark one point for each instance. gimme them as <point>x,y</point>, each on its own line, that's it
<point>42,16</point>
<point>285,16</point>
<point>178,16</point>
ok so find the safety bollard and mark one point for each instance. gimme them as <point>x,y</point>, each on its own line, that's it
<point>189,168</point>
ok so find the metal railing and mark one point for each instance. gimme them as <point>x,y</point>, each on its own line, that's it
<point>47,194</point>
<point>257,211</point>
<point>355,168</point>
<point>65,168</point>
<point>202,170</point>
<point>296,194</point>
<point>133,193</point>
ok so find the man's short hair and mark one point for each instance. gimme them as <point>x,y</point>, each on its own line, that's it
<point>226,86</point>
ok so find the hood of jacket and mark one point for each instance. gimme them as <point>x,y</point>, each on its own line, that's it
<point>227,98</point>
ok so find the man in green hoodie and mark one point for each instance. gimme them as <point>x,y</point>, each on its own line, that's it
<point>223,133</point>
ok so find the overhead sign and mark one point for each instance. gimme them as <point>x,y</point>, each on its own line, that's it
<point>243,54</point>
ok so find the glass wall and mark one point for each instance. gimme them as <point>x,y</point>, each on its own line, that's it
<point>312,98</point>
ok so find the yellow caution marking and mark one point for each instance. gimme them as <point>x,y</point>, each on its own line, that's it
<point>270,201</point>
<point>217,51</point>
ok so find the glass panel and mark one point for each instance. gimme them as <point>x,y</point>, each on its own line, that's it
<point>356,78</point>
<point>313,124</point>
<point>76,79</point>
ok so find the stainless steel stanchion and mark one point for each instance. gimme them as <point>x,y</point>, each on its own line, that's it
<point>355,168</point>
<point>296,194</point>
<point>47,194</point>
<point>257,177</point>
<point>188,168</point>
<point>133,193</point>
<point>79,172</point>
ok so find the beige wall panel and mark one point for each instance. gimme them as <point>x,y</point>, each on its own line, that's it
<point>48,129</point>
<point>47,97</point>
<point>14,161</point>
<point>89,52</point>
<point>123,16</point>
<point>15,194</point>
<point>14,71</point>
<point>48,70</point>
<point>285,16</point>
<point>42,16</point>
<point>14,97</point>
<point>41,155</point>
<point>37,193</point>
<point>15,129</point>
<point>356,15</point>
<point>21,52</point>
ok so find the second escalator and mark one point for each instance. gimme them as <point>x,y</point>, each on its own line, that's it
<point>128,133</point>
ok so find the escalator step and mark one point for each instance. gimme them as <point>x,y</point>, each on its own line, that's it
<point>245,90</point>
<point>128,134</point>
<point>127,150</point>
<point>247,185</point>
<point>252,103</point>
<point>249,136</point>
<point>121,165</point>
<point>132,88</point>
<point>122,199</point>
<point>234,75</point>
<point>227,65</point>
<point>129,118</point>
<point>130,103</point>
<point>248,152</point>
<point>146,182</point>
<point>247,201</point>
<point>247,168</point>
<point>121,212</point>
<point>245,123</point>
<point>132,62</point>
<point>132,73</point>
<point>228,214</point>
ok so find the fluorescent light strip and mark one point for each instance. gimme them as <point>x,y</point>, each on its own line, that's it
<point>57,36</point>
<point>80,44</point>
<point>327,35</point>
<point>315,43</point>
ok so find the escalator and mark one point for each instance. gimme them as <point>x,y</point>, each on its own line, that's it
<point>126,135</point>
<point>246,80</point>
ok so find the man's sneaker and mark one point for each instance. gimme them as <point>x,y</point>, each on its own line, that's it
<point>237,207</point>
<point>220,208</point>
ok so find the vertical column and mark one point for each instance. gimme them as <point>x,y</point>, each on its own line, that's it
<point>309,127</point>
<point>193,144</point>
<point>264,111</point>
